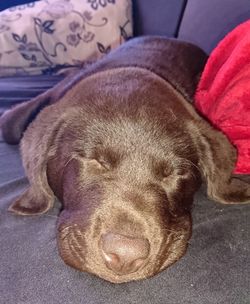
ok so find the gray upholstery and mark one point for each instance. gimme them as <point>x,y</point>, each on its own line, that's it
<point>159,17</point>
<point>205,23</point>
<point>18,89</point>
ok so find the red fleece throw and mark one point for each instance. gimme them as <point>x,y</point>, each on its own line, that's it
<point>223,94</point>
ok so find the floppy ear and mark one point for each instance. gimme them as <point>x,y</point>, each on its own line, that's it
<point>38,146</point>
<point>35,147</point>
<point>217,158</point>
<point>32,202</point>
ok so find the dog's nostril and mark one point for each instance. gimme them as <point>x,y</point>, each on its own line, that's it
<point>124,254</point>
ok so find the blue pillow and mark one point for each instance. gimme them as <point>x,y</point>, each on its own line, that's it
<point>8,3</point>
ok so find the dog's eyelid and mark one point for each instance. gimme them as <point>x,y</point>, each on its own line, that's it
<point>108,159</point>
<point>167,171</point>
<point>95,164</point>
<point>164,170</point>
<point>182,171</point>
<point>105,164</point>
<point>78,153</point>
<point>97,159</point>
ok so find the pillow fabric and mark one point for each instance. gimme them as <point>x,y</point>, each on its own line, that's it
<point>45,36</point>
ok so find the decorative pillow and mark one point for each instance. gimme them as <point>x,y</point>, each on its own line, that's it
<point>48,35</point>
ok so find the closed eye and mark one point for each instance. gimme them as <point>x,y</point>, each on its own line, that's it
<point>167,174</point>
<point>187,168</point>
<point>163,170</point>
<point>97,164</point>
<point>107,157</point>
<point>176,168</point>
<point>105,164</point>
<point>103,160</point>
<point>94,162</point>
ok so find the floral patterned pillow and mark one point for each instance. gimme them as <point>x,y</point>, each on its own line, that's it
<point>49,35</point>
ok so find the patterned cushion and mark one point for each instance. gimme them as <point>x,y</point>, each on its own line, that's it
<point>45,36</point>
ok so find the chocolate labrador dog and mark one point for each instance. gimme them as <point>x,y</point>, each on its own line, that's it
<point>123,149</point>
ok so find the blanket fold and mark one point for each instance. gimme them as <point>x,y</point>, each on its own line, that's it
<point>223,94</point>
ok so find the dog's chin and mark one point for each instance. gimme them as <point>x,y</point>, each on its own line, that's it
<point>107,275</point>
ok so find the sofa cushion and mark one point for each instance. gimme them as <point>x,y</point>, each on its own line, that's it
<point>151,17</point>
<point>48,35</point>
<point>205,23</point>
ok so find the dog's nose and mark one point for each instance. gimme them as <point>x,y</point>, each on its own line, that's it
<point>124,254</point>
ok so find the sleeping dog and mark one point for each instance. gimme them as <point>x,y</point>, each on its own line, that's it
<point>123,149</point>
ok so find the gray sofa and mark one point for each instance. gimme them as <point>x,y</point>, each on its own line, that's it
<point>215,269</point>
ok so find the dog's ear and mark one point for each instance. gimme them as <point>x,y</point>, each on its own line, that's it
<point>39,149</point>
<point>217,158</point>
<point>32,202</point>
<point>35,147</point>
<point>38,146</point>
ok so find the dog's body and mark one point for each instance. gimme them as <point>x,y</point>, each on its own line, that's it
<point>124,151</point>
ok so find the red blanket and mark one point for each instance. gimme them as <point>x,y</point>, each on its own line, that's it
<point>223,94</point>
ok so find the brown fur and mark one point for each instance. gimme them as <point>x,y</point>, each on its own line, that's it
<point>125,152</point>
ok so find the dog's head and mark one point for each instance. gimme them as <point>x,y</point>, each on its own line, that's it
<point>126,170</point>
<point>127,183</point>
